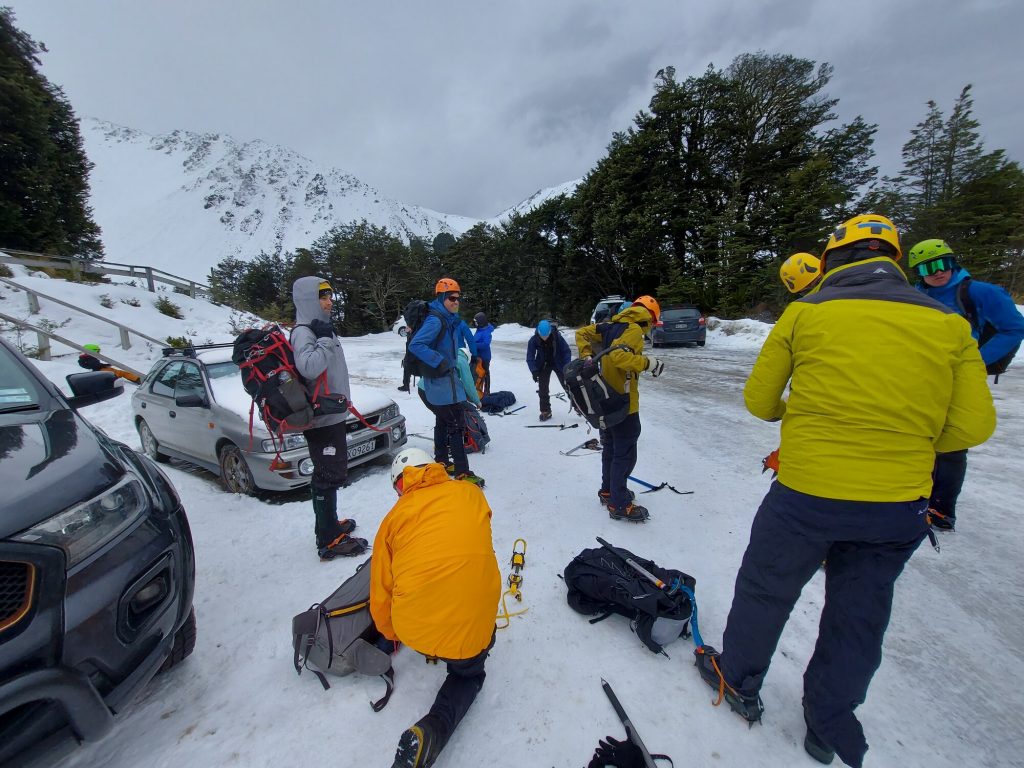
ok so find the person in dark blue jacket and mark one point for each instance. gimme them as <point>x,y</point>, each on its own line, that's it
<point>547,352</point>
<point>437,343</point>
<point>997,325</point>
<point>482,337</point>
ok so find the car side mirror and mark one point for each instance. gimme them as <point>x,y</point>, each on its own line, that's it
<point>190,400</point>
<point>91,388</point>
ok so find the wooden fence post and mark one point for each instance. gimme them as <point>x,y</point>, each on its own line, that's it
<point>126,342</point>
<point>149,280</point>
<point>33,303</point>
<point>44,345</point>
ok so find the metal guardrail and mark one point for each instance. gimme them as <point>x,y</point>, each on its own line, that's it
<point>81,266</point>
<point>44,344</point>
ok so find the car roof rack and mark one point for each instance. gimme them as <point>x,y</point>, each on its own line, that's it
<point>190,349</point>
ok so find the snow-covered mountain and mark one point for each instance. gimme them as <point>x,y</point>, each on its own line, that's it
<point>184,201</point>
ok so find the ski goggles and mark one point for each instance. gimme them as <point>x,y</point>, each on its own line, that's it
<point>941,264</point>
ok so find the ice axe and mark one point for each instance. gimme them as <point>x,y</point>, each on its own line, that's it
<point>653,488</point>
<point>552,426</point>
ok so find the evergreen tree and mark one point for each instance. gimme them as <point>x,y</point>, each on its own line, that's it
<point>44,184</point>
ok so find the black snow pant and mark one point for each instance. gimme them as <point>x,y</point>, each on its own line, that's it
<point>449,434</point>
<point>406,372</point>
<point>543,383</point>
<point>618,457</point>
<point>947,481</point>
<point>458,692</point>
<point>328,449</point>
<point>866,545</point>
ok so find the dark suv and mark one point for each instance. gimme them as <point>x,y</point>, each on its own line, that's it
<point>679,324</point>
<point>97,568</point>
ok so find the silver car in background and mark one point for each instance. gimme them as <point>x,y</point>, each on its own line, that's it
<point>192,406</point>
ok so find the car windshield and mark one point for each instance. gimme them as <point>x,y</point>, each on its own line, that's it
<point>221,370</point>
<point>19,391</point>
<point>670,315</point>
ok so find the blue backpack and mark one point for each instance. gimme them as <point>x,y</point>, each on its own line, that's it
<point>496,402</point>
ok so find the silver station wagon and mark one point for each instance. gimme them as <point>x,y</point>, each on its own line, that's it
<point>192,406</point>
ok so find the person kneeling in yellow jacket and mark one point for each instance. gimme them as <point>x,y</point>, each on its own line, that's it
<point>435,586</point>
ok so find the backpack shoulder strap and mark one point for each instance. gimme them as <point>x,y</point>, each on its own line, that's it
<point>966,304</point>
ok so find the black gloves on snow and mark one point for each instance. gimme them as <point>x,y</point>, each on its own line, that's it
<point>612,753</point>
<point>321,328</point>
<point>536,376</point>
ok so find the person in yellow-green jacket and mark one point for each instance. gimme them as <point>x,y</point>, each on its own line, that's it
<point>435,586</point>
<point>621,368</point>
<point>881,377</point>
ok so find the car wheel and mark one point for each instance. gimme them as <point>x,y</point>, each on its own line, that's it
<point>700,343</point>
<point>403,331</point>
<point>234,472</point>
<point>150,446</point>
<point>184,643</point>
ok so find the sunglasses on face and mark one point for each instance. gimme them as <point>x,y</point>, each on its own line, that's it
<point>453,298</point>
<point>327,294</point>
<point>928,268</point>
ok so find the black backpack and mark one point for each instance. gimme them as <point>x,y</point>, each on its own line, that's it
<point>970,311</point>
<point>496,402</point>
<point>416,312</point>
<point>600,582</point>
<point>266,362</point>
<point>594,398</point>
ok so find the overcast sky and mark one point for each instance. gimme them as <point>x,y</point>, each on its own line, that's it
<point>469,107</point>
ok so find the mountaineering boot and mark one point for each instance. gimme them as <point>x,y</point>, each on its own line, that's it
<point>470,477</point>
<point>605,496</point>
<point>749,708</point>
<point>634,513</point>
<point>404,388</point>
<point>814,746</point>
<point>939,521</point>
<point>341,527</point>
<point>419,745</point>
<point>343,546</point>
<point>545,415</point>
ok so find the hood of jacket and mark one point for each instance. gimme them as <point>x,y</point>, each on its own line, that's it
<point>414,478</point>
<point>635,314</point>
<point>306,297</point>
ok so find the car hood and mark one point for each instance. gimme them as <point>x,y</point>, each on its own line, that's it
<point>50,461</point>
<point>235,401</point>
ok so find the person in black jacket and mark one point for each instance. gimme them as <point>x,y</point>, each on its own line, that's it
<point>547,352</point>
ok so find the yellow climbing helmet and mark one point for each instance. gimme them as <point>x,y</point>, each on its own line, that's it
<point>800,271</point>
<point>870,229</point>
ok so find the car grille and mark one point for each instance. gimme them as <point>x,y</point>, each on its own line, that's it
<point>16,586</point>
<point>372,419</point>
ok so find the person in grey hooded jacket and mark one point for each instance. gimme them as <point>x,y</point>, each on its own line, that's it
<point>320,361</point>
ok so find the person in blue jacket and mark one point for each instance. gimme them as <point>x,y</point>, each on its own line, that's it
<point>998,327</point>
<point>482,337</point>
<point>547,352</point>
<point>437,343</point>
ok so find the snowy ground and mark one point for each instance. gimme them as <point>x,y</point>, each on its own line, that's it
<point>948,692</point>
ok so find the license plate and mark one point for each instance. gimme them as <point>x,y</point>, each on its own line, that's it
<point>682,325</point>
<point>361,449</point>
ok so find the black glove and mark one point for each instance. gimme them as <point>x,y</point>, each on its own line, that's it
<point>612,753</point>
<point>536,376</point>
<point>443,367</point>
<point>321,328</point>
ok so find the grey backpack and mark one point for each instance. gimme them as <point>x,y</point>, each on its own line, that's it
<point>338,637</point>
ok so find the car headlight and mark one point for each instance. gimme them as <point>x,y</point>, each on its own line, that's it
<point>87,527</point>
<point>389,413</point>
<point>286,443</point>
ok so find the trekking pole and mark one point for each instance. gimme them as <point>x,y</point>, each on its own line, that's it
<point>631,733</point>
